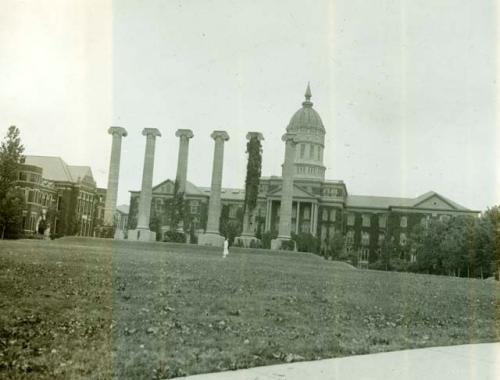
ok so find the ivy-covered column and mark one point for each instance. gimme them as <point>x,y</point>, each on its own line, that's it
<point>212,236</point>
<point>252,182</point>
<point>286,192</point>
<point>142,232</point>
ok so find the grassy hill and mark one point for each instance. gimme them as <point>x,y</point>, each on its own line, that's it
<point>80,308</point>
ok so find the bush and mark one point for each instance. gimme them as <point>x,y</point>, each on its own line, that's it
<point>267,237</point>
<point>288,245</point>
<point>306,242</point>
<point>174,237</point>
<point>238,243</point>
<point>107,232</point>
<point>255,244</point>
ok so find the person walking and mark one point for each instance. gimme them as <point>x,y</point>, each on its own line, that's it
<point>225,252</point>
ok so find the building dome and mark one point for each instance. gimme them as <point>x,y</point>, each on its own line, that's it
<point>306,118</point>
<point>309,133</point>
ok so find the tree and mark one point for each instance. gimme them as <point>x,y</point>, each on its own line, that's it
<point>11,207</point>
<point>252,180</point>
<point>11,200</point>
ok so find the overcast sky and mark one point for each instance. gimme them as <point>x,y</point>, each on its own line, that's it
<point>406,89</point>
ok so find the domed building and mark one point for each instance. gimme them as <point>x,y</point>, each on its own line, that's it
<point>320,207</point>
<point>310,133</point>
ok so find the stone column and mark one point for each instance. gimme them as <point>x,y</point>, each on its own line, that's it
<point>182,159</point>
<point>247,235</point>
<point>286,192</point>
<point>182,165</point>
<point>211,236</point>
<point>142,231</point>
<point>114,173</point>
<point>297,225</point>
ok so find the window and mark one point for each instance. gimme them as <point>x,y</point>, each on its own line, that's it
<point>323,232</point>
<point>302,150</point>
<point>311,151</point>
<point>31,196</point>
<point>366,220</point>
<point>319,153</point>
<point>350,219</point>
<point>324,215</point>
<point>365,238</point>
<point>444,218</point>
<point>194,207</point>
<point>307,211</point>
<point>402,238</point>
<point>331,231</point>
<point>381,238</point>
<point>364,254</point>
<point>349,238</point>
<point>332,214</point>
<point>382,221</point>
<point>404,222</point>
<point>232,211</point>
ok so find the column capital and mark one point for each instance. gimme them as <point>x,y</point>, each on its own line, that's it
<point>220,135</point>
<point>184,133</point>
<point>256,135</point>
<point>289,137</point>
<point>122,132</point>
<point>151,132</point>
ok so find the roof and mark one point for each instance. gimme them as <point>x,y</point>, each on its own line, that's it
<point>297,193</point>
<point>54,168</point>
<point>229,194</point>
<point>124,209</point>
<point>79,172</point>
<point>306,117</point>
<point>369,201</point>
<point>167,186</point>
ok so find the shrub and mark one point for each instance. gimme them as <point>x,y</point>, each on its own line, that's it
<point>238,243</point>
<point>174,237</point>
<point>288,245</point>
<point>267,237</point>
<point>306,242</point>
<point>255,244</point>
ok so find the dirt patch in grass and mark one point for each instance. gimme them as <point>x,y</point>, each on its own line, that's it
<point>104,309</point>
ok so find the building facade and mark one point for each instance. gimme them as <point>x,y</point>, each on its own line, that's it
<point>67,194</point>
<point>320,207</point>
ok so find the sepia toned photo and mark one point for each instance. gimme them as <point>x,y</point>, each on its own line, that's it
<point>249,190</point>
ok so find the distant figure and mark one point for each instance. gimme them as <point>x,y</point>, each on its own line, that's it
<point>226,249</point>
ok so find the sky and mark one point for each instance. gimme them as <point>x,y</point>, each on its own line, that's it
<point>406,89</point>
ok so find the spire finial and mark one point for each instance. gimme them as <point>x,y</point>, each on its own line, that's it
<point>307,102</point>
<point>308,91</point>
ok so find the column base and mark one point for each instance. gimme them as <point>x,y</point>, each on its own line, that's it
<point>119,234</point>
<point>277,244</point>
<point>141,235</point>
<point>211,239</point>
<point>247,241</point>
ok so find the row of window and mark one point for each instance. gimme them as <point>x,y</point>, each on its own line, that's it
<point>30,177</point>
<point>331,192</point>
<point>309,170</point>
<point>365,238</point>
<point>313,152</point>
<point>85,203</point>
<point>38,197</point>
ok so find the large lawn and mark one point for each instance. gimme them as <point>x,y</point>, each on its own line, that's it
<point>101,309</point>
